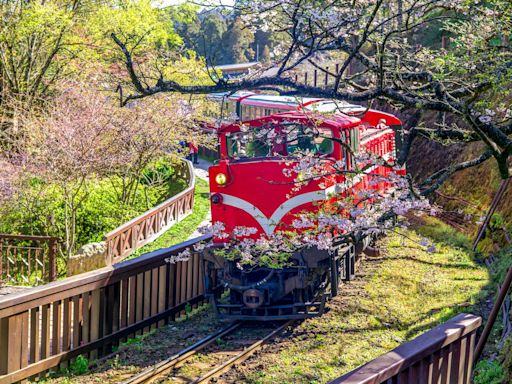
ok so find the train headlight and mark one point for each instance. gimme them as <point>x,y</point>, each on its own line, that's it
<point>221,179</point>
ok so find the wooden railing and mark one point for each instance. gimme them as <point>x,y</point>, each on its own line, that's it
<point>88,314</point>
<point>126,239</point>
<point>441,355</point>
<point>29,260</point>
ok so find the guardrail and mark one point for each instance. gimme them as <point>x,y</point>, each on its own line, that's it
<point>28,259</point>
<point>134,234</point>
<point>88,314</point>
<point>441,355</point>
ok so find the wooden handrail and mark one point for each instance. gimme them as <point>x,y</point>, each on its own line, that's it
<point>89,313</point>
<point>422,357</point>
<point>21,301</point>
<point>27,237</point>
<point>34,264</point>
<point>125,239</point>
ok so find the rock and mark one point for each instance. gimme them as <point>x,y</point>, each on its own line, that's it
<point>89,257</point>
<point>93,249</point>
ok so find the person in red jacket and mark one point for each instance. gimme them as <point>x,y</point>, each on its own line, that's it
<point>193,150</point>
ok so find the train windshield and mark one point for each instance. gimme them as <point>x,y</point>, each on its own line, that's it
<point>280,141</point>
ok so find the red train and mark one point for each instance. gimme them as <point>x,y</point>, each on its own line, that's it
<point>251,188</point>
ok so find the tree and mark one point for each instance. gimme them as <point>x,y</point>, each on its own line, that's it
<point>383,58</point>
<point>83,136</point>
<point>468,83</point>
<point>209,39</point>
<point>237,43</point>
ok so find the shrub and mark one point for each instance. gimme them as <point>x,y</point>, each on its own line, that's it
<point>488,372</point>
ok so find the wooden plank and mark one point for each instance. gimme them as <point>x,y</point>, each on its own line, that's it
<point>196,275</point>
<point>123,315</point>
<point>171,290</point>
<point>45,331</point>
<point>108,315</point>
<point>4,344</point>
<point>35,337</point>
<point>132,292</point>
<point>95,320</point>
<point>15,324</point>
<point>162,291</point>
<point>66,325</point>
<point>183,284</point>
<point>86,317</point>
<point>139,298</point>
<point>202,272</point>
<point>24,339</point>
<point>469,356</point>
<point>458,357</point>
<point>177,285</point>
<point>183,281</point>
<point>147,297</point>
<point>190,277</point>
<point>76,321</point>
<point>56,326</point>
<point>154,294</point>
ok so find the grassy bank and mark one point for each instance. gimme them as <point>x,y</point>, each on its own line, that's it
<point>182,230</point>
<point>397,297</point>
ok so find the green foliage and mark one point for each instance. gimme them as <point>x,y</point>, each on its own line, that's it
<point>488,372</point>
<point>79,366</point>
<point>41,208</point>
<point>138,22</point>
<point>497,222</point>
<point>439,231</point>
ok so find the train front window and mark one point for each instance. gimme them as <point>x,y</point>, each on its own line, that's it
<point>247,144</point>
<point>280,141</point>
<point>303,139</point>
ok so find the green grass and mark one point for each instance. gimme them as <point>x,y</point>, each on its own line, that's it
<point>408,293</point>
<point>182,230</point>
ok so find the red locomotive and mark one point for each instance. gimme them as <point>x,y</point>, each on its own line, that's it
<point>251,188</point>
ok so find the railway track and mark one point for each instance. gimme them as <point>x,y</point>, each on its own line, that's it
<point>219,352</point>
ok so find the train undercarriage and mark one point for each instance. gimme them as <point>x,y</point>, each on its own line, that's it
<point>298,291</point>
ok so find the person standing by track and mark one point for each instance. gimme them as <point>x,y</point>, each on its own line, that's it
<point>193,150</point>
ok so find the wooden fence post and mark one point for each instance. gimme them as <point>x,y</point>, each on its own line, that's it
<point>494,314</point>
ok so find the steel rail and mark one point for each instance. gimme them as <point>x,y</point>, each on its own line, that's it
<point>164,366</point>
<point>167,364</point>
<point>241,356</point>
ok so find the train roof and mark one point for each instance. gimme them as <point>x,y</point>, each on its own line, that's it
<point>335,121</point>
<point>290,102</point>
